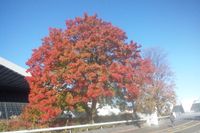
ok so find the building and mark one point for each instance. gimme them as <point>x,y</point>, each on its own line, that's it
<point>178,109</point>
<point>195,106</point>
<point>14,89</point>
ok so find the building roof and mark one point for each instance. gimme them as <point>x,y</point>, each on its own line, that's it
<point>12,76</point>
<point>178,108</point>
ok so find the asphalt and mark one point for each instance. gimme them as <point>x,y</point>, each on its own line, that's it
<point>181,126</point>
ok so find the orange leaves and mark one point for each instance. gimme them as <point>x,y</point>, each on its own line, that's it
<point>116,76</point>
<point>133,91</point>
<point>94,91</point>
<point>50,113</point>
<point>108,93</point>
<point>88,60</point>
<point>103,78</point>
<point>69,99</point>
<point>42,106</point>
<point>92,76</point>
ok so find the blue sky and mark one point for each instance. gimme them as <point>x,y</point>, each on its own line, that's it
<point>173,25</point>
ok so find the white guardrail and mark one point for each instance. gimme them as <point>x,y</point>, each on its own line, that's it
<point>79,126</point>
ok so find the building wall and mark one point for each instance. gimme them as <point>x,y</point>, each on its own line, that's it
<point>11,102</point>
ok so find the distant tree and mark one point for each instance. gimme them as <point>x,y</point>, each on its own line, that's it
<point>87,63</point>
<point>160,93</point>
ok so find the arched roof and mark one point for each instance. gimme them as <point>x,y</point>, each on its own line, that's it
<point>12,77</point>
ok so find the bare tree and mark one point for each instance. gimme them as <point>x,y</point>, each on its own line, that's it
<point>159,94</point>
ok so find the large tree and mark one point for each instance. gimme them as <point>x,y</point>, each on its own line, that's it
<point>75,68</point>
<point>159,94</point>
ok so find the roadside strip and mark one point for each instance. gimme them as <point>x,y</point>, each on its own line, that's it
<point>126,130</point>
<point>175,127</point>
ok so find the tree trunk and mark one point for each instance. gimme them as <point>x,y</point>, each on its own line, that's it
<point>135,116</point>
<point>158,110</point>
<point>92,111</point>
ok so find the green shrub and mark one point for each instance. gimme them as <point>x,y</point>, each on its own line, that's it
<point>3,126</point>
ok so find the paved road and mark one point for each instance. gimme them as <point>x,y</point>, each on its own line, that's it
<point>181,126</point>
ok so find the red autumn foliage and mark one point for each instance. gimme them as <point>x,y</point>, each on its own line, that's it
<point>82,63</point>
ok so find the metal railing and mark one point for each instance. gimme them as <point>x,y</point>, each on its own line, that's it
<point>80,126</point>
